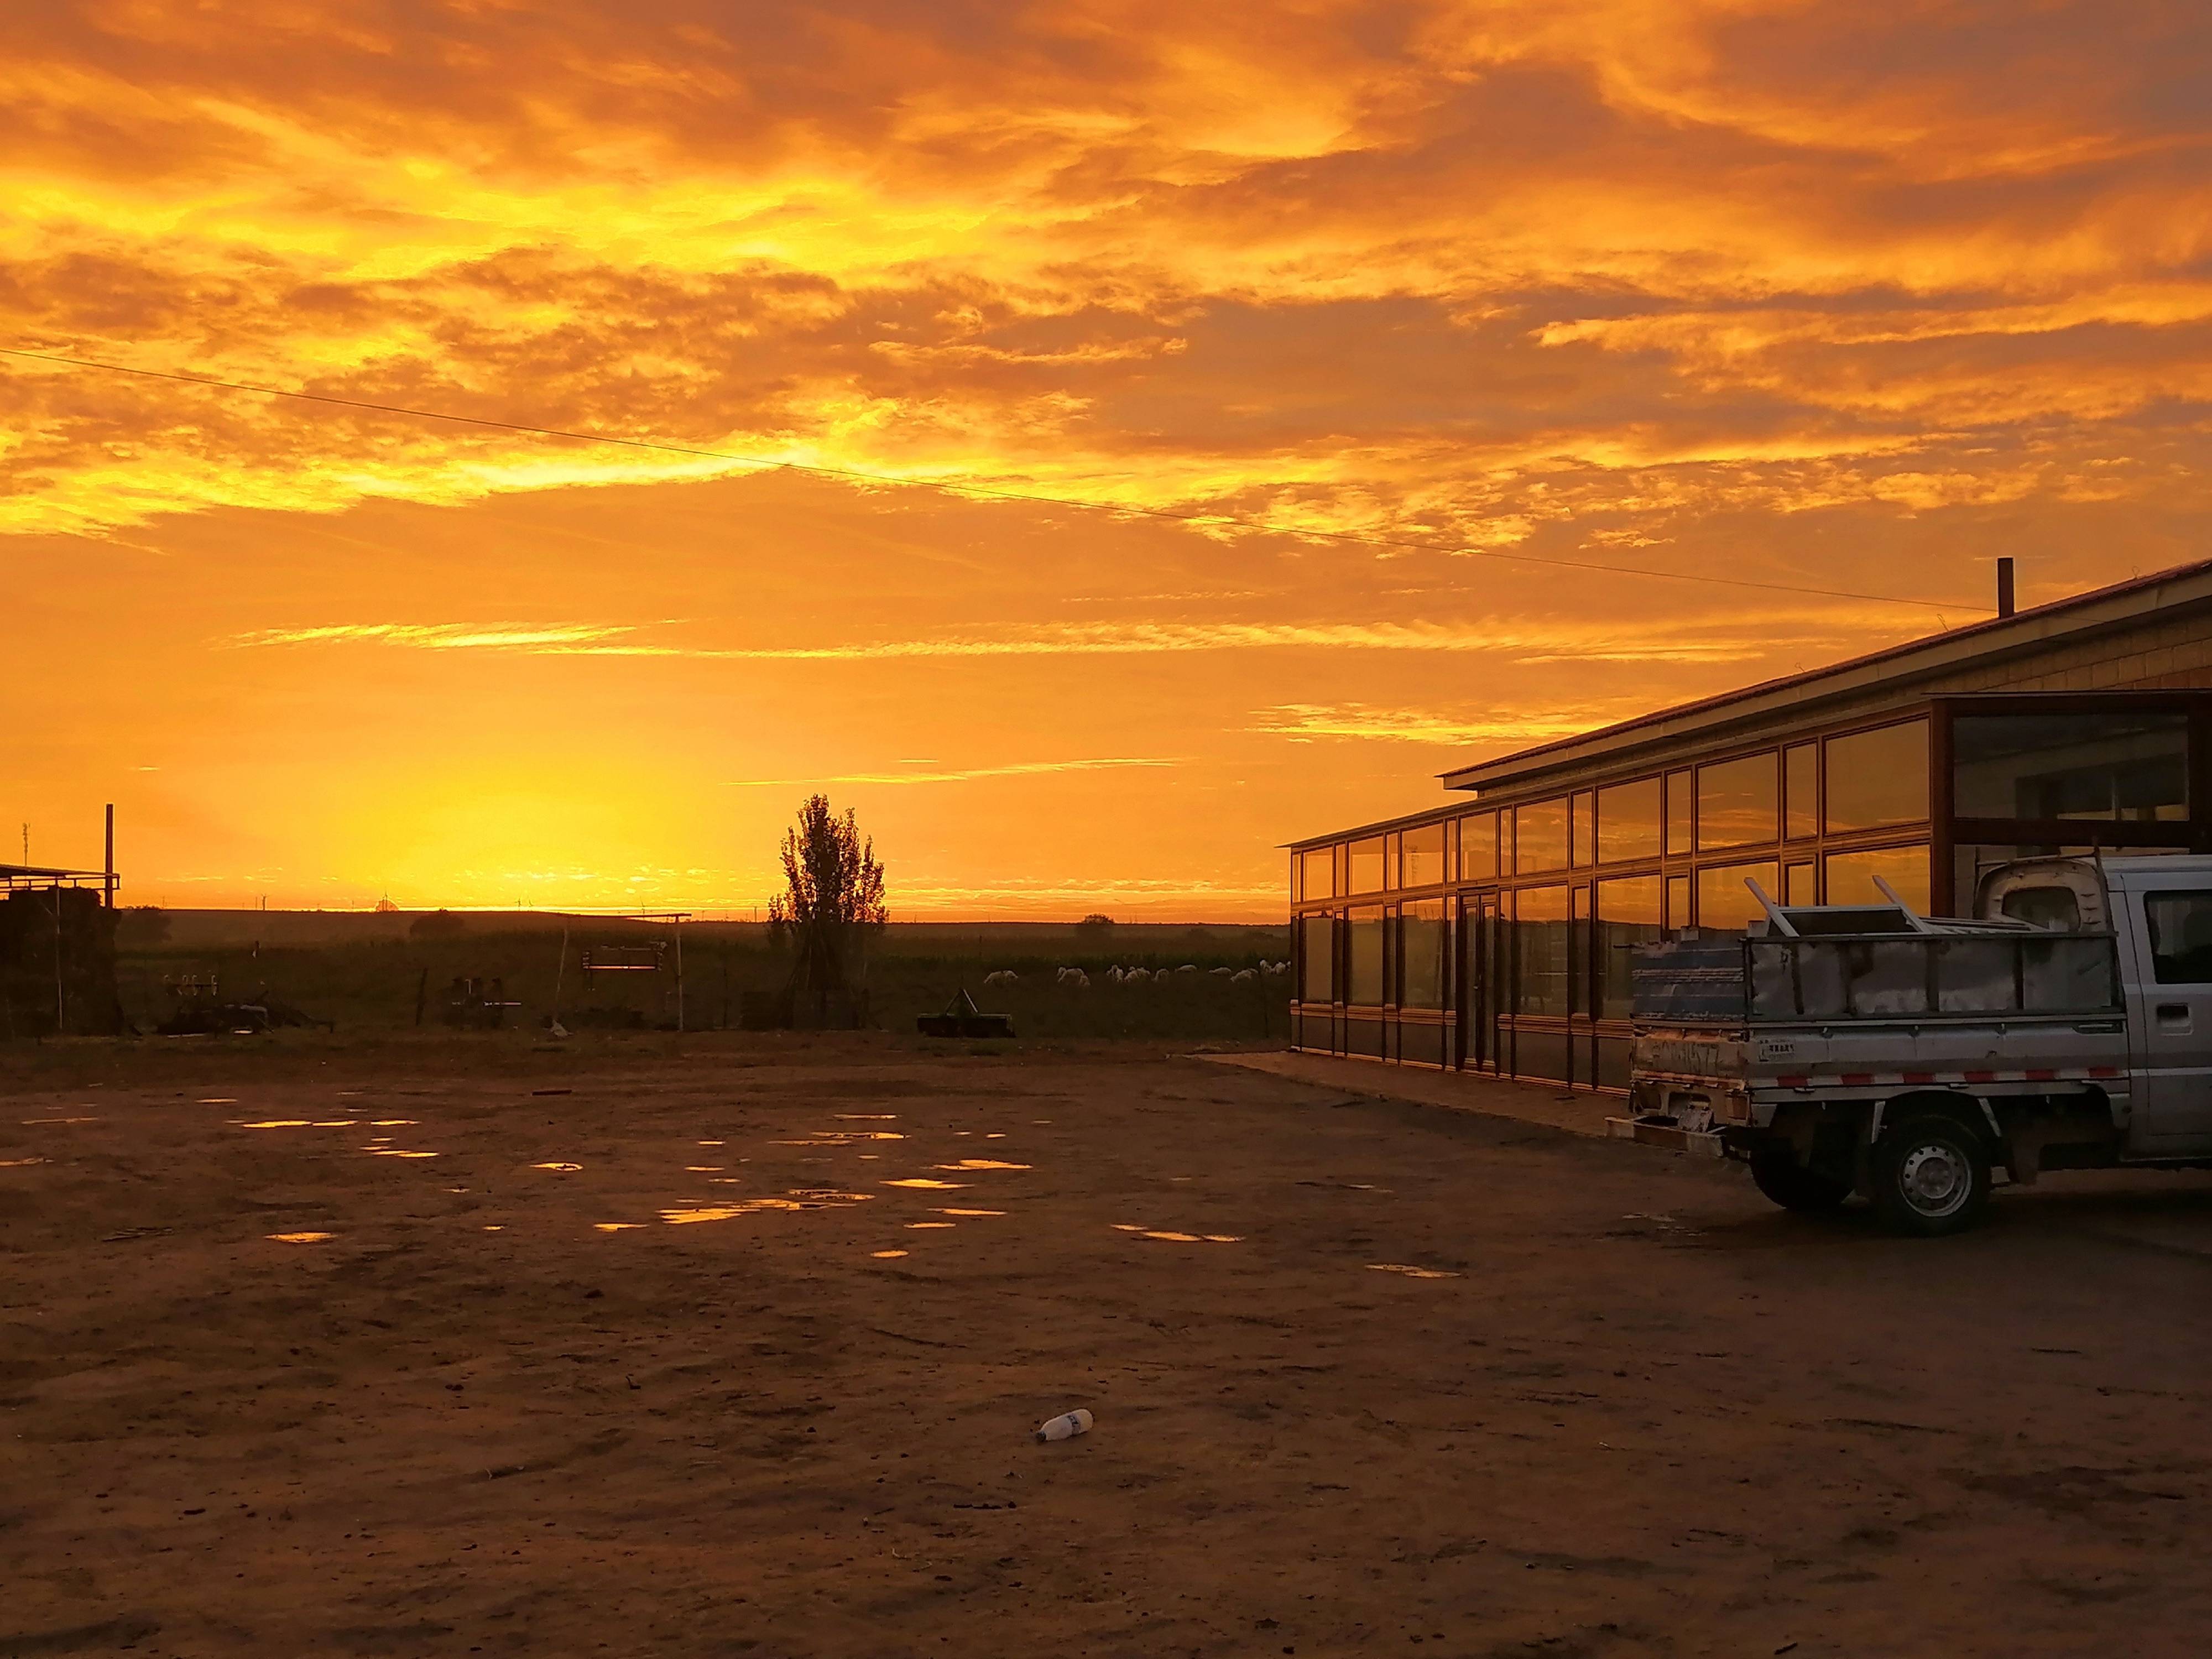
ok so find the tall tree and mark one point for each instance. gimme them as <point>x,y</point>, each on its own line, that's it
<point>831,905</point>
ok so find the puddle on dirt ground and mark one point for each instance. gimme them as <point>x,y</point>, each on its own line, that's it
<point>928,1226</point>
<point>299,1238</point>
<point>394,1151</point>
<point>971,1212</point>
<point>559,1169</point>
<point>219,1100</point>
<point>1409,1270</point>
<point>392,1123</point>
<point>840,1138</point>
<point>616,1226</point>
<point>492,1229</point>
<point>32,1122</point>
<point>926,1185</point>
<point>801,1198</point>
<point>706,1143</point>
<point>1167,1237</point>
<point>703,1168</point>
<point>981,1163</point>
<point>886,1255</point>
<point>19,1162</point>
<point>866,1117</point>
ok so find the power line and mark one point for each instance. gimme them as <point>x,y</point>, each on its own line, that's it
<point>857,475</point>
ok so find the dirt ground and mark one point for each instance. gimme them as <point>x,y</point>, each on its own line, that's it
<point>739,1352</point>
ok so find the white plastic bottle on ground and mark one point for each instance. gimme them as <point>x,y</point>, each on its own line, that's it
<point>1066,1426</point>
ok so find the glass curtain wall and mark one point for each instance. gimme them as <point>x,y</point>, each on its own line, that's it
<point>1580,875</point>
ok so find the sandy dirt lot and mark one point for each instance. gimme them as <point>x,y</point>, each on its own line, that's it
<point>728,1354</point>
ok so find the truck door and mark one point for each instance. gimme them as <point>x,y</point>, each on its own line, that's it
<point>2170,1012</point>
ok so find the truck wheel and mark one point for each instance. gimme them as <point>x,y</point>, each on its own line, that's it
<point>1794,1186</point>
<point>1931,1174</point>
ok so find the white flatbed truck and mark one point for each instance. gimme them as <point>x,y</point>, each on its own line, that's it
<point>2066,1024</point>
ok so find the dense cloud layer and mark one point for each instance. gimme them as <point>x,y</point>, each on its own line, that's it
<point>1819,296</point>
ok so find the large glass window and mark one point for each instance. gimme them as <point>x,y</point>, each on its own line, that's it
<point>1628,822</point>
<point>1627,915</point>
<point>1850,876</point>
<point>1539,835</point>
<point>1878,778</point>
<point>1478,846</point>
<point>1317,873</point>
<point>1681,812</point>
<point>1365,954</point>
<point>1425,945</point>
<point>1365,866</point>
<point>1801,790</point>
<point>2180,937</point>
<point>1317,959</point>
<point>1737,802</point>
<point>1421,856</point>
<point>1539,951</point>
<point>1724,902</point>
<point>1585,830</point>
<point>2117,767</point>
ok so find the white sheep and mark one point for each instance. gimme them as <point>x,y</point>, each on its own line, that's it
<point>1003,977</point>
<point>1221,972</point>
<point>1136,976</point>
<point>1244,977</point>
<point>1113,975</point>
<point>1187,968</point>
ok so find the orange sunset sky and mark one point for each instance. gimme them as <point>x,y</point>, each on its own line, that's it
<point>1827,296</point>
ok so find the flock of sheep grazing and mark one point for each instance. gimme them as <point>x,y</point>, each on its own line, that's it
<point>1080,979</point>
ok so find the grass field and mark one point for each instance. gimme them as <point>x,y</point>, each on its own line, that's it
<point>372,984</point>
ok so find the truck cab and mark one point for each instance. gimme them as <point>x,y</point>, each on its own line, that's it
<point>2067,1024</point>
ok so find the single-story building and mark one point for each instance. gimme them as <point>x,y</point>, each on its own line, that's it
<point>1489,935</point>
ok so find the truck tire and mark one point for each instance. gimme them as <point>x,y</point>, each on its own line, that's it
<point>1930,1174</point>
<point>1790,1184</point>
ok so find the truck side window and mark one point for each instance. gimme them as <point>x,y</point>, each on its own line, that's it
<point>2180,937</point>
<point>2055,908</point>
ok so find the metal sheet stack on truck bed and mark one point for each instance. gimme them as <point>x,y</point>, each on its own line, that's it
<point>1845,1049</point>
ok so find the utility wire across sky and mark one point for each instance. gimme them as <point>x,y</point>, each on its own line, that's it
<point>990,492</point>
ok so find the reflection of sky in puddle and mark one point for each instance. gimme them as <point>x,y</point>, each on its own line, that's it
<point>840,1138</point>
<point>866,1117</point>
<point>219,1100</point>
<point>394,1151</point>
<point>801,1198</point>
<point>495,1229</point>
<point>616,1226</point>
<point>1166,1237</point>
<point>559,1169</point>
<point>928,1226</point>
<point>886,1255</point>
<point>971,1212</point>
<point>703,1168</point>
<point>981,1163</point>
<point>931,1186</point>
<point>19,1162</point>
<point>392,1123</point>
<point>1410,1271</point>
<point>28,1122</point>
<point>299,1238</point>
<point>706,1143</point>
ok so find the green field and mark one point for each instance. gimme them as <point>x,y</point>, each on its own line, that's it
<point>372,984</point>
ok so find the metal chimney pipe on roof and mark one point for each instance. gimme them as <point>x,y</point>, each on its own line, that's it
<point>2004,588</point>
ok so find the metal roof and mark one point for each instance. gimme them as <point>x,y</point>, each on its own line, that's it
<point>1895,668</point>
